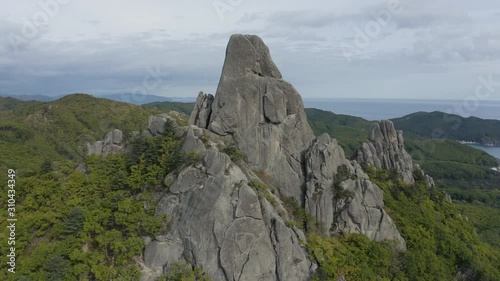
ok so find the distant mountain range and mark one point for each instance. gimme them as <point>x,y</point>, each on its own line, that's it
<point>126,97</point>
<point>30,97</point>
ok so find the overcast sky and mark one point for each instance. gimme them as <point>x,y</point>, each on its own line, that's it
<point>423,49</point>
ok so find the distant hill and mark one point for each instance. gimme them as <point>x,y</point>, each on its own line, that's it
<point>186,108</point>
<point>30,97</point>
<point>350,131</point>
<point>449,126</point>
<point>9,103</point>
<point>134,98</point>
<point>59,130</point>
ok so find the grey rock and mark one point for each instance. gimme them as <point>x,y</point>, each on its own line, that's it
<point>192,141</point>
<point>263,114</point>
<point>385,150</point>
<point>361,210</point>
<point>146,240</point>
<point>323,159</point>
<point>156,124</point>
<point>221,225</point>
<point>202,110</point>
<point>163,254</point>
<point>112,143</point>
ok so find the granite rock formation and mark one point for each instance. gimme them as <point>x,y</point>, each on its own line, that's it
<point>263,113</point>
<point>112,143</point>
<point>221,222</point>
<point>156,124</point>
<point>202,110</point>
<point>223,226</point>
<point>360,209</point>
<point>385,150</point>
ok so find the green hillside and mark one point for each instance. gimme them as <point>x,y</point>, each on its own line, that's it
<point>442,125</point>
<point>34,132</point>
<point>183,107</point>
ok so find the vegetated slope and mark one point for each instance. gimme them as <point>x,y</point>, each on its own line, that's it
<point>442,244</point>
<point>75,225</point>
<point>443,125</point>
<point>454,164</point>
<point>35,132</point>
<point>350,131</point>
<point>183,107</point>
<point>9,103</point>
<point>134,98</point>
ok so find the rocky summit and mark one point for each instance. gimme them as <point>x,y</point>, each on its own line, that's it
<point>228,215</point>
<point>262,113</point>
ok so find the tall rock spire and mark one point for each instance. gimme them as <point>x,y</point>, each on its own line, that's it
<point>385,150</point>
<point>263,113</point>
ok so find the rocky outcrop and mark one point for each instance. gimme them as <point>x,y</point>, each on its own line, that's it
<point>360,209</point>
<point>323,160</point>
<point>112,143</point>
<point>202,110</point>
<point>221,225</point>
<point>263,113</point>
<point>156,125</point>
<point>235,230</point>
<point>385,150</point>
<point>340,195</point>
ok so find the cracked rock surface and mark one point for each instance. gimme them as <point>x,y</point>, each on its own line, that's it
<point>263,113</point>
<point>385,150</point>
<point>222,226</point>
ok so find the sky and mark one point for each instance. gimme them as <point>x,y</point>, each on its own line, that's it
<point>398,49</point>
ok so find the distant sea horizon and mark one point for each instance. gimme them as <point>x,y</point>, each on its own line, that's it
<point>381,109</point>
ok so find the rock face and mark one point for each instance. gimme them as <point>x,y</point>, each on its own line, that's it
<point>202,111</point>
<point>263,113</point>
<point>323,160</point>
<point>360,209</point>
<point>341,196</point>
<point>223,226</point>
<point>112,143</point>
<point>385,150</point>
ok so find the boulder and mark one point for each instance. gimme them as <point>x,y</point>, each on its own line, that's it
<point>156,124</point>
<point>112,143</point>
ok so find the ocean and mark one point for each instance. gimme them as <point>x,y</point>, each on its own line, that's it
<point>379,109</point>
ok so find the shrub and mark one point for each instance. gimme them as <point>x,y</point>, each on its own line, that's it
<point>184,272</point>
<point>234,153</point>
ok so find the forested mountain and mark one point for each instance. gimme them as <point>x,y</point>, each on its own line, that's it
<point>442,125</point>
<point>238,191</point>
